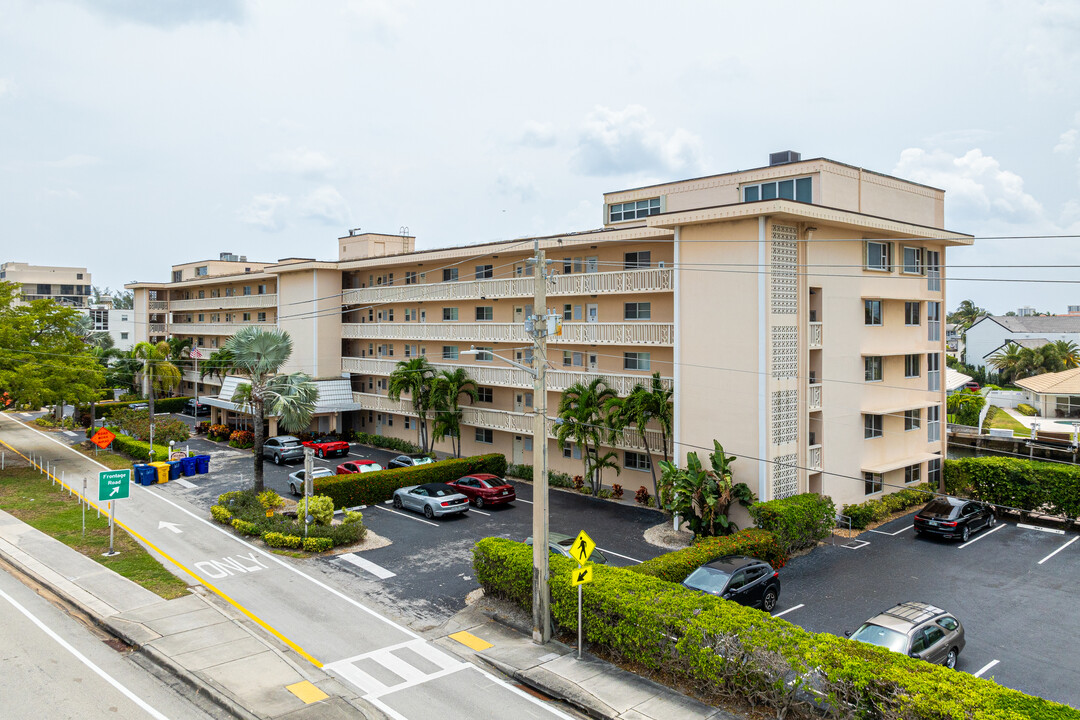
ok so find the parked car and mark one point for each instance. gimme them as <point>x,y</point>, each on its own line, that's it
<point>282,448</point>
<point>139,406</point>
<point>560,544</point>
<point>432,499</point>
<point>329,445</point>
<point>296,479</point>
<point>972,386</point>
<point>195,409</point>
<point>485,489</point>
<point>952,517</point>
<point>409,461</point>
<point>358,466</point>
<point>918,629</point>
<point>742,579</point>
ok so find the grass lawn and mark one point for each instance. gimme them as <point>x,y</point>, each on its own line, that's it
<point>1006,421</point>
<point>32,498</point>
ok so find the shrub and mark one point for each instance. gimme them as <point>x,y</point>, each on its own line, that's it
<point>161,405</point>
<point>579,483</point>
<point>137,449</point>
<point>352,516</point>
<point>559,480</point>
<point>245,511</point>
<point>376,487</point>
<point>270,500</point>
<point>202,427</point>
<point>1053,488</point>
<point>604,493</point>
<point>990,415</point>
<point>321,508</point>
<point>675,566</point>
<point>276,539</point>
<point>242,439</point>
<point>878,509</point>
<point>317,544</point>
<point>1025,409</point>
<point>221,514</point>
<point>723,649</point>
<point>643,497</point>
<point>340,534</point>
<point>218,432</point>
<point>555,479</point>
<point>616,491</point>
<point>244,527</point>
<point>799,521</point>
<point>390,443</point>
<point>522,472</point>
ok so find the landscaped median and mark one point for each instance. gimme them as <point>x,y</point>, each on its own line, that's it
<point>258,515</point>
<point>720,649</point>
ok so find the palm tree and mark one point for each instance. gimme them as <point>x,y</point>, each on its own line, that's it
<point>1007,361</point>
<point>966,314</point>
<point>219,364</point>
<point>581,412</point>
<point>1039,360</point>
<point>1069,352</point>
<point>158,371</point>
<point>415,377</point>
<point>448,389</point>
<point>259,354</point>
<point>636,409</point>
<point>177,347</point>
<point>662,409</point>
<point>597,467</point>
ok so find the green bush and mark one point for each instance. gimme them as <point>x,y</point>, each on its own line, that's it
<point>244,527</point>
<point>352,516</point>
<point>797,522</point>
<point>275,539</point>
<point>1025,409</point>
<point>317,544</point>
<point>675,566</point>
<point>376,487</point>
<point>137,449</point>
<point>242,439</point>
<point>221,514</point>
<point>990,415</point>
<point>340,534</point>
<point>245,511</point>
<point>322,509</point>
<point>269,499</point>
<point>1053,488</point>
<point>722,649</point>
<point>555,479</point>
<point>390,443</point>
<point>880,508</point>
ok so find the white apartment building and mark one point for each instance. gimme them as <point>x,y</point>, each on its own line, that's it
<point>118,323</point>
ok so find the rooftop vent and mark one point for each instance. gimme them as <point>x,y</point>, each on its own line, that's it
<point>784,157</point>
<point>227,256</point>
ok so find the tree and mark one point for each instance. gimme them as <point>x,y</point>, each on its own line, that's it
<point>158,371</point>
<point>966,314</point>
<point>123,300</point>
<point>177,346</point>
<point>636,409</point>
<point>967,406</point>
<point>662,409</point>
<point>258,354</point>
<point>416,377</point>
<point>581,412</point>
<point>1039,360</point>
<point>219,364</point>
<point>704,496</point>
<point>597,465</point>
<point>1007,361</point>
<point>448,388</point>
<point>1069,353</point>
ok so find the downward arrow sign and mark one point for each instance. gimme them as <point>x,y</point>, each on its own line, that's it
<point>582,575</point>
<point>171,526</point>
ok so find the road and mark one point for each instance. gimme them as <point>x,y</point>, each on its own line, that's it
<point>390,665</point>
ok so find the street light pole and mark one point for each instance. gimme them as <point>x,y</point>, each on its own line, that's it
<point>541,590</point>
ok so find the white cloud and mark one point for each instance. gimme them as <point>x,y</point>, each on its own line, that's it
<point>537,135</point>
<point>326,205</point>
<point>73,161</point>
<point>265,212</point>
<point>977,187</point>
<point>520,187</point>
<point>301,161</point>
<point>614,142</point>
<point>1067,142</point>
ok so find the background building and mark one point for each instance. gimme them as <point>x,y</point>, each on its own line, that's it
<point>119,324</point>
<point>65,285</point>
<point>993,332</point>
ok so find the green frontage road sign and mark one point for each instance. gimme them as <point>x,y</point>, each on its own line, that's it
<point>114,484</point>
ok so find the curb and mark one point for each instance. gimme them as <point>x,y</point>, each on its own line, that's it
<point>561,691</point>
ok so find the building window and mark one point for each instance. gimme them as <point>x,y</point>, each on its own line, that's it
<point>912,419</point>
<point>449,313</point>
<point>78,276</point>
<point>177,275</point>
<point>878,256</point>
<point>262,317</point>
<point>911,366</point>
<point>485,395</point>
<point>933,321</point>
<point>408,423</point>
<point>912,473</point>
<point>933,472</point>
<point>202,294</point>
<point>933,371</point>
<point>229,292</point>
<point>485,354</point>
<point>485,312</point>
<point>933,423</point>
<point>637,311</point>
<point>633,210</point>
<point>261,289</point>
<point>636,260</point>
<point>449,274</point>
<point>636,461</point>
<point>567,312</point>
<point>485,435</point>
<point>567,266</point>
<point>913,261</point>
<point>449,352</point>
<point>247,317</point>
<point>200,271</point>
<point>872,368</point>
<point>573,359</point>
<point>872,426</point>
<point>911,313</point>
<point>800,189</point>
<point>247,289</point>
<point>43,289</point>
<point>485,271</point>
<point>571,450</point>
<point>872,312</point>
<point>124,336</point>
<point>636,361</point>
<point>410,277</point>
<point>872,483</point>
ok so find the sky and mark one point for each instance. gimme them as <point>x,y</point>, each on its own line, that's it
<point>138,134</point>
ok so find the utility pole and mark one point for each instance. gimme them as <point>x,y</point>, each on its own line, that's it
<point>309,482</point>
<point>541,590</point>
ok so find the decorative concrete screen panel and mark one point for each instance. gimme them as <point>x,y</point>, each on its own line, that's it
<point>785,351</point>
<point>785,259</point>
<point>785,419</point>
<point>785,476</point>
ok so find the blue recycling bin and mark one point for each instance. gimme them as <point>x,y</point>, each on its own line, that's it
<point>203,462</point>
<point>189,466</point>
<point>174,469</point>
<point>145,474</point>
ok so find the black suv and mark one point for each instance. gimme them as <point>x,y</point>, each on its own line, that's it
<point>952,517</point>
<point>745,580</point>
<point>196,409</point>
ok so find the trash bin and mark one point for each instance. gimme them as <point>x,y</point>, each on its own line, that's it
<point>174,469</point>
<point>189,465</point>
<point>145,475</point>
<point>162,471</point>
<point>203,462</point>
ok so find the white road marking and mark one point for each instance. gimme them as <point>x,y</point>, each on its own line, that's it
<point>184,483</point>
<point>988,532</point>
<point>525,501</point>
<point>1052,531</point>
<point>985,667</point>
<point>1059,550</point>
<point>785,612</point>
<point>624,557</point>
<point>426,522</point>
<point>71,434</point>
<point>906,527</point>
<point>171,526</point>
<point>855,544</point>
<point>474,510</point>
<point>376,570</point>
<point>83,659</point>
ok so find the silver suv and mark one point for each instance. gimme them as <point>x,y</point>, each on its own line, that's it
<point>917,629</point>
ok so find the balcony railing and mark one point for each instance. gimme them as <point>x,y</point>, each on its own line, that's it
<point>814,462</point>
<point>626,281</point>
<point>499,420</point>
<point>815,336</point>
<point>214,328</point>
<point>626,333</point>
<point>158,305</point>
<point>814,400</point>
<point>504,376</point>
<point>192,376</point>
<point>157,328</point>
<point>225,303</point>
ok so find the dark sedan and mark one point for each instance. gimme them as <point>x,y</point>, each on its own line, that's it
<point>952,517</point>
<point>485,489</point>
<point>741,579</point>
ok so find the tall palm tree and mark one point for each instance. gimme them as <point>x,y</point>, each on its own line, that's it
<point>219,364</point>
<point>1007,361</point>
<point>599,464</point>
<point>416,377</point>
<point>1069,352</point>
<point>966,314</point>
<point>259,354</point>
<point>448,389</point>
<point>1039,360</point>
<point>177,347</point>
<point>158,371</point>
<point>581,412</point>
<point>662,409</point>
<point>636,409</point>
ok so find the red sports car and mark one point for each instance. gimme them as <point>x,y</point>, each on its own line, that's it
<point>329,445</point>
<point>358,466</point>
<point>484,489</point>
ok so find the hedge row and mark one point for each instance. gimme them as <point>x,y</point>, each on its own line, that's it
<point>137,449</point>
<point>555,478</point>
<point>675,566</point>
<point>799,521</point>
<point>1025,409</point>
<point>161,405</point>
<point>376,487</point>
<point>880,508</point>
<point>390,443</point>
<point>722,649</point>
<point>1052,488</point>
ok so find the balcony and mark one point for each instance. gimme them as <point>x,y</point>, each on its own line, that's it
<point>214,328</point>
<point>813,401</point>
<point>158,305</point>
<point>225,303</point>
<point>815,336</point>
<point>499,420</point>
<point>814,461</point>
<point>502,376</point>
<point>624,333</point>
<point>192,376</point>
<point>621,282</point>
<point>157,328</point>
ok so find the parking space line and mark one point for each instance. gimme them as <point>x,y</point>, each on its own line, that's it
<point>426,522</point>
<point>624,557</point>
<point>1052,531</point>
<point>524,501</point>
<point>785,612</point>
<point>879,532</point>
<point>376,570</point>
<point>991,531</point>
<point>1059,549</point>
<point>474,510</point>
<point>985,667</point>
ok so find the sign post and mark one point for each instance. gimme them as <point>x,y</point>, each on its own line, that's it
<point>580,551</point>
<point>113,485</point>
<point>102,438</point>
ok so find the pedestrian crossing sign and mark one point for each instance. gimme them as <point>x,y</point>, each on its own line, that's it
<point>582,548</point>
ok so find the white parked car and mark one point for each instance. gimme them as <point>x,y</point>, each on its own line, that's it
<point>296,479</point>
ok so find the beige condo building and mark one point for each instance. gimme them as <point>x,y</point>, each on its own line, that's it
<point>795,310</point>
<point>65,285</point>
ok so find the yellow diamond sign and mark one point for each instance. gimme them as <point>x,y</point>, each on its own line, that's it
<point>582,575</point>
<point>582,548</point>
